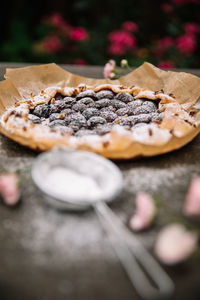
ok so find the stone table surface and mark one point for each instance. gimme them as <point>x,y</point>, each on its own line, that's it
<point>49,255</point>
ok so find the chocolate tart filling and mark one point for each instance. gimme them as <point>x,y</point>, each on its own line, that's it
<point>89,112</point>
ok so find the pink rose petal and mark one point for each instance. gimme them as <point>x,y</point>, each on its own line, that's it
<point>175,244</point>
<point>108,69</point>
<point>192,28</point>
<point>145,212</point>
<point>80,62</point>
<point>57,20</point>
<point>186,44</point>
<point>116,49</point>
<point>52,44</point>
<point>79,34</point>
<point>167,64</point>
<point>192,202</point>
<point>130,26</point>
<point>122,38</point>
<point>9,189</point>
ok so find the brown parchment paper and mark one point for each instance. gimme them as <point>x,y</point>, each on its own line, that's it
<point>21,82</point>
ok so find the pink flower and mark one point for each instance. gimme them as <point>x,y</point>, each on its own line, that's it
<point>166,7</point>
<point>122,38</point>
<point>192,202</point>
<point>108,69</point>
<point>166,42</point>
<point>52,44</point>
<point>116,49</point>
<point>186,44</point>
<point>145,212</point>
<point>157,51</point>
<point>174,244</point>
<point>80,62</point>
<point>9,188</point>
<point>79,34</point>
<point>167,64</point>
<point>57,20</point>
<point>130,26</point>
<point>163,45</point>
<point>192,28</point>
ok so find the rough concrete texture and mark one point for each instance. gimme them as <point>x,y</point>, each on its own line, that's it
<point>46,254</point>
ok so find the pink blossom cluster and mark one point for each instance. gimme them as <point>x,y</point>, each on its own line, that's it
<point>163,45</point>
<point>186,45</point>
<point>166,64</point>
<point>123,39</point>
<point>56,20</point>
<point>166,51</point>
<point>62,33</point>
<point>79,34</point>
<point>80,62</point>
<point>52,43</point>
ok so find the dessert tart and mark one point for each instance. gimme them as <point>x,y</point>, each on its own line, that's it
<point>113,120</point>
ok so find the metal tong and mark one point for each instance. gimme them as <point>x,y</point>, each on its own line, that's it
<point>135,258</point>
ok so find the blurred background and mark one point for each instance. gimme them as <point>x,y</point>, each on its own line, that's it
<point>87,32</point>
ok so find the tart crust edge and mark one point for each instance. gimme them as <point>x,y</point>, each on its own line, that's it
<point>124,148</point>
<point>120,147</point>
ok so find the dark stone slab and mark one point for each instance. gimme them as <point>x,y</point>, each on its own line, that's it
<point>47,255</point>
<point>87,71</point>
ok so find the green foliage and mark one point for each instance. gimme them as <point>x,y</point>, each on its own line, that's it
<point>158,200</point>
<point>18,47</point>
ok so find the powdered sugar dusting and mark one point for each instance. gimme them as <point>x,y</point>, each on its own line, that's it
<point>94,140</point>
<point>70,236</point>
<point>121,131</point>
<point>136,179</point>
<point>63,182</point>
<point>151,134</point>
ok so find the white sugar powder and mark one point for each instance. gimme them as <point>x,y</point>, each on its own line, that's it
<point>72,185</point>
